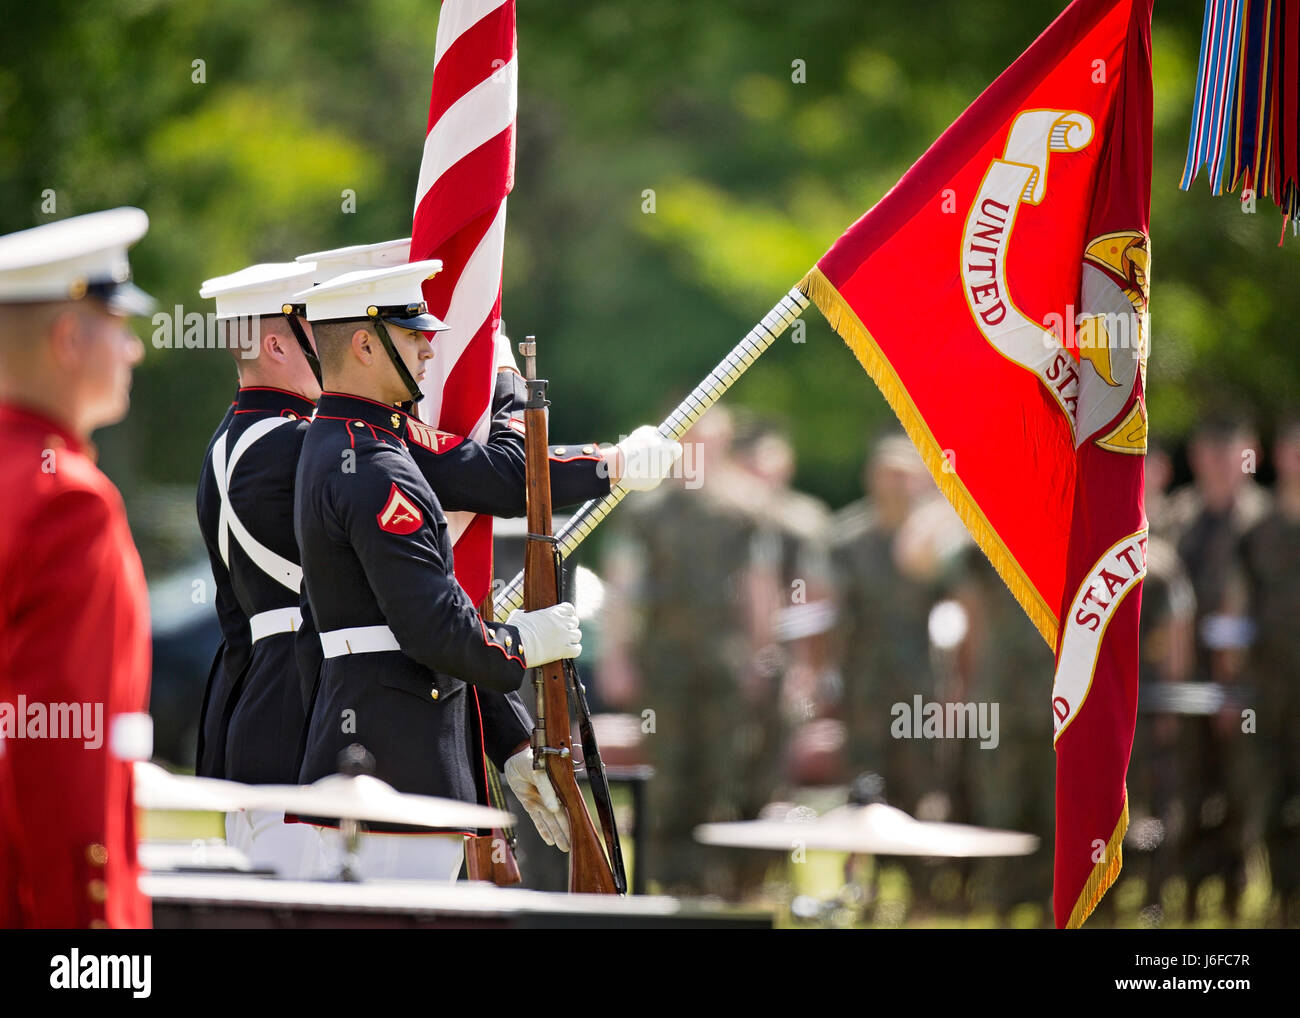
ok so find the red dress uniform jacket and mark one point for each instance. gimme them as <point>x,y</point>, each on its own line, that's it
<point>74,630</point>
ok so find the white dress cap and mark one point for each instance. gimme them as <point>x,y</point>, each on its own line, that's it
<point>394,293</point>
<point>74,258</point>
<point>261,289</point>
<point>341,260</point>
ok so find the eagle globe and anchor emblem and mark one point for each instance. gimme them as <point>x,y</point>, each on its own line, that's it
<point>1111,331</point>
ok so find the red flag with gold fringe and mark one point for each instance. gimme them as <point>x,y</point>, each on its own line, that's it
<point>997,295</point>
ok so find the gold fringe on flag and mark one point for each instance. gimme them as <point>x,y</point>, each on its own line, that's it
<point>1103,873</point>
<point>845,321</point>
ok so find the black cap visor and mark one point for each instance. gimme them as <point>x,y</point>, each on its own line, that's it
<point>419,323</point>
<point>123,298</point>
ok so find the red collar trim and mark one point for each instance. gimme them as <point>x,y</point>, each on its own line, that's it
<point>269,399</point>
<point>391,408</point>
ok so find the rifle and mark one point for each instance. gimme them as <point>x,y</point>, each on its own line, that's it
<point>591,871</point>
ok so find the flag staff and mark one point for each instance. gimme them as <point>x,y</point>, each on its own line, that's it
<point>675,425</point>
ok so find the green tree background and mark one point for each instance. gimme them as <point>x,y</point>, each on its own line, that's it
<point>754,175</point>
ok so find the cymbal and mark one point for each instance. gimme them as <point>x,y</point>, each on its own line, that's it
<point>362,797</point>
<point>156,788</point>
<point>358,797</point>
<point>874,829</point>
<point>1199,699</point>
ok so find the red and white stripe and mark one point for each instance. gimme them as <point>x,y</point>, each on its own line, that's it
<point>460,217</point>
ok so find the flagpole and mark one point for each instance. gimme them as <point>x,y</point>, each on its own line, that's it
<point>691,409</point>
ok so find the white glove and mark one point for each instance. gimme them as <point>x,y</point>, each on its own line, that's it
<point>533,790</point>
<point>548,634</point>
<point>647,457</point>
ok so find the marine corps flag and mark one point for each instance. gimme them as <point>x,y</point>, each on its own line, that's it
<point>998,297</point>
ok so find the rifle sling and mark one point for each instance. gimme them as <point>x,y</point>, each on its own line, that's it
<point>597,779</point>
<point>595,768</point>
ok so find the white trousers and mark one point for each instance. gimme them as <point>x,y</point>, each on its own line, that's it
<point>396,856</point>
<point>292,850</point>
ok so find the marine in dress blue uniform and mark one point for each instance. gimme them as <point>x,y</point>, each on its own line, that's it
<point>254,705</point>
<point>400,639</point>
<point>251,724</point>
<point>378,563</point>
<point>251,719</point>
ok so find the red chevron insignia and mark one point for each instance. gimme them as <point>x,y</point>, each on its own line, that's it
<point>431,438</point>
<point>400,515</point>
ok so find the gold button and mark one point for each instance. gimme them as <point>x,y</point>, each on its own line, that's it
<point>98,924</point>
<point>559,451</point>
<point>433,693</point>
<point>588,450</point>
<point>358,424</point>
<point>97,891</point>
<point>96,855</point>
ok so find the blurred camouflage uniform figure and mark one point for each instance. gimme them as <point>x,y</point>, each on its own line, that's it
<point>1166,645</point>
<point>1206,521</point>
<point>788,686</point>
<point>892,554</point>
<point>1157,799</point>
<point>687,582</point>
<point>1271,560</point>
<point>883,646</point>
<point>1005,661</point>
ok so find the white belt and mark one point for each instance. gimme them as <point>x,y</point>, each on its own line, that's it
<point>358,640</point>
<point>279,620</point>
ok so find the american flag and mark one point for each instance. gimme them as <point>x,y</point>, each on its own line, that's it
<point>460,217</point>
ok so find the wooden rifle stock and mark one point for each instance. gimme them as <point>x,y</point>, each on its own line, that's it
<point>589,869</point>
